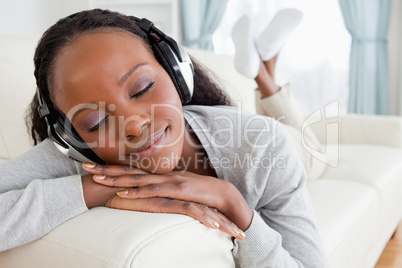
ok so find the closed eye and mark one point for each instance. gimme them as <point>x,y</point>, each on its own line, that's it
<point>136,95</point>
<point>96,127</point>
<point>143,91</point>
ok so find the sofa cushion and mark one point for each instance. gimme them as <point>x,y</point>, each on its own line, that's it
<point>104,237</point>
<point>346,212</point>
<point>17,87</point>
<point>375,165</point>
<point>376,168</point>
<point>3,149</point>
<point>15,136</point>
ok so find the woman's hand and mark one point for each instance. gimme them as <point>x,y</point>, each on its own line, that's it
<point>214,202</point>
<point>96,194</point>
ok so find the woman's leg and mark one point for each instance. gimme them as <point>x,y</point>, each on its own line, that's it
<point>265,80</point>
<point>275,101</point>
<point>278,103</point>
<point>272,100</point>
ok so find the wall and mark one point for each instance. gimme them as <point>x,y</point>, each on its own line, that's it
<point>34,16</point>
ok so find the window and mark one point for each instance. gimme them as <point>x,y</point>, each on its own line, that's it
<point>315,58</point>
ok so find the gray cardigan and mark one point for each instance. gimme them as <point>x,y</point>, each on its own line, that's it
<point>42,188</point>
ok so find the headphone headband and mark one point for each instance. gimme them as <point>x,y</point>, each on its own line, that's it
<point>148,27</point>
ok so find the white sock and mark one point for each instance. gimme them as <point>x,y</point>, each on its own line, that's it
<point>274,36</point>
<point>247,60</point>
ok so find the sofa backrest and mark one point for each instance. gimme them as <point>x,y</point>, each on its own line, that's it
<point>17,87</point>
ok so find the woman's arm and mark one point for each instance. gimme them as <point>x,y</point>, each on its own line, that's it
<point>215,203</point>
<point>29,213</point>
<point>283,232</point>
<point>40,190</point>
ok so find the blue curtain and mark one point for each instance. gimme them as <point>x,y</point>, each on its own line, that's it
<point>367,21</point>
<point>200,18</point>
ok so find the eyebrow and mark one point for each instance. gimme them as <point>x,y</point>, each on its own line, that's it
<point>127,75</point>
<point>84,107</point>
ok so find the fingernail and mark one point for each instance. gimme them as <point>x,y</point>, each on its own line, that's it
<point>122,192</point>
<point>99,177</point>
<point>235,230</point>
<point>216,224</point>
<point>89,165</point>
<point>242,234</point>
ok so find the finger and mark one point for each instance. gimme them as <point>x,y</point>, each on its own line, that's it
<point>225,224</point>
<point>172,206</point>
<point>197,211</point>
<point>165,186</point>
<point>204,214</point>
<point>132,180</point>
<point>111,170</point>
<point>160,186</point>
<point>229,226</point>
<point>155,187</point>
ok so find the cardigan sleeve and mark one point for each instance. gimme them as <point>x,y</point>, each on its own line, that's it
<point>38,191</point>
<point>283,232</point>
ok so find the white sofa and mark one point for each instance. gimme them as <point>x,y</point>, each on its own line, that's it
<point>357,202</point>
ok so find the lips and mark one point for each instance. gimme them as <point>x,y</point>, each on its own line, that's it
<point>152,146</point>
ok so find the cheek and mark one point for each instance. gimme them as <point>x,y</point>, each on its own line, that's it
<point>107,147</point>
<point>167,108</point>
<point>170,110</point>
<point>167,92</point>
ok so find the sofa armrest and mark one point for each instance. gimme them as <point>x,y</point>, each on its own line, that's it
<point>104,237</point>
<point>362,129</point>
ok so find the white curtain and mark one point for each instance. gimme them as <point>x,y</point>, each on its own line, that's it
<point>367,22</point>
<point>315,58</point>
<point>200,18</point>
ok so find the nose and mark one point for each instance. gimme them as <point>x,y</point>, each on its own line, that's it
<point>135,125</point>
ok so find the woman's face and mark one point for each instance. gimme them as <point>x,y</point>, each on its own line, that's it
<point>120,100</point>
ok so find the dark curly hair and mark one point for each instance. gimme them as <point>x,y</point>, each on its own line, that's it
<point>66,30</point>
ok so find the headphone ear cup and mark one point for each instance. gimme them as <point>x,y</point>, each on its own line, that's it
<point>76,149</point>
<point>172,65</point>
<point>165,64</point>
<point>73,138</point>
<point>66,140</point>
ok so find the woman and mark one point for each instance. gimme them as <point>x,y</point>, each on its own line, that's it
<point>98,71</point>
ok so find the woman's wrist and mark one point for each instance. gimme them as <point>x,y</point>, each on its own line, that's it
<point>96,194</point>
<point>237,209</point>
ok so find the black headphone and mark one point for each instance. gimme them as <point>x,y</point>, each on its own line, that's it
<point>170,55</point>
